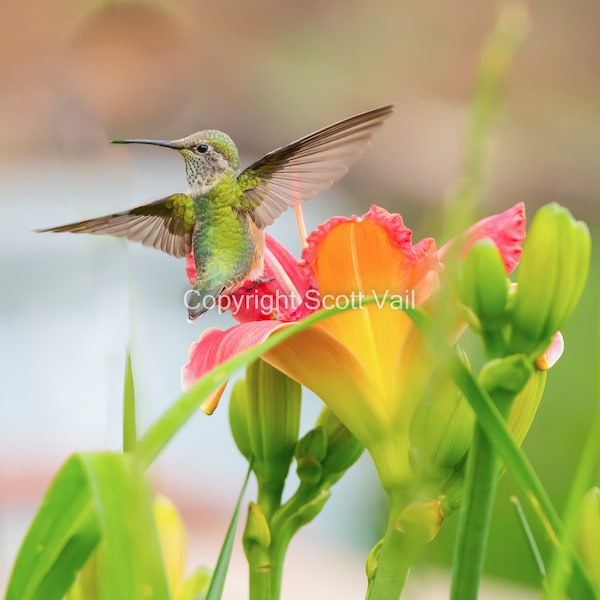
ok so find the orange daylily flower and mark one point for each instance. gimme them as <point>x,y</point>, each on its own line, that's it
<point>370,365</point>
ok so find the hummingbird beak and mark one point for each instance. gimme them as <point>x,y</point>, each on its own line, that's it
<point>164,143</point>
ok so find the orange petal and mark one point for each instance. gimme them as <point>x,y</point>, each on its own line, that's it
<point>323,364</point>
<point>354,258</point>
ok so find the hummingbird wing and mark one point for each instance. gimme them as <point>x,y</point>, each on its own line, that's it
<point>165,224</point>
<point>296,172</point>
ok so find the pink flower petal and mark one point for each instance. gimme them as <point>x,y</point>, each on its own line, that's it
<point>506,230</point>
<point>282,296</point>
<point>552,354</point>
<point>215,346</point>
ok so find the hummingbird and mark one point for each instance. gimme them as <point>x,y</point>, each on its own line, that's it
<point>222,216</point>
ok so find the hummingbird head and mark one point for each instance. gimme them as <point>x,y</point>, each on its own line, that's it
<point>207,154</point>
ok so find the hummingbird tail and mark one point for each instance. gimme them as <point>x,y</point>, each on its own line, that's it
<point>198,301</point>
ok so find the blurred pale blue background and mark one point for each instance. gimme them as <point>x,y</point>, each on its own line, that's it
<point>77,74</point>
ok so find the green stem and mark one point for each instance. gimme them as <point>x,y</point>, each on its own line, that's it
<point>279,548</point>
<point>476,510</point>
<point>269,498</point>
<point>408,530</point>
<point>475,513</point>
<point>260,580</point>
<point>283,527</point>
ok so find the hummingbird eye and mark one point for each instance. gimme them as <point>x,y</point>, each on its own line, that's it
<point>202,148</point>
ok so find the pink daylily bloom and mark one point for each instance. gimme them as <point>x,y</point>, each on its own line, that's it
<point>367,364</point>
<point>506,230</point>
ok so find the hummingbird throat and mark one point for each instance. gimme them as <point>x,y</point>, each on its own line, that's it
<point>203,175</point>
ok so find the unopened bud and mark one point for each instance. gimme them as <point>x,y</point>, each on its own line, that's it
<point>343,449</point>
<point>552,273</point>
<point>484,285</point>
<point>273,421</point>
<point>257,535</point>
<point>310,451</point>
<point>440,430</point>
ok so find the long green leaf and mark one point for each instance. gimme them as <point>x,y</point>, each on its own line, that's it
<point>129,424</point>
<point>62,536</point>
<point>97,501</point>
<point>217,582</point>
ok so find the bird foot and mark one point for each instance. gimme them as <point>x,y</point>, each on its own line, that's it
<point>258,282</point>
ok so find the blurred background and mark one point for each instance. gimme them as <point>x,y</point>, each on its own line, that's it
<point>76,74</point>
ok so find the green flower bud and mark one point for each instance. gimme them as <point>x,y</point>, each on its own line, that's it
<point>273,422</point>
<point>314,444</point>
<point>257,536</point>
<point>310,452</point>
<point>238,418</point>
<point>440,430</point>
<point>588,535</point>
<point>483,285</point>
<point>552,273</point>
<point>343,449</point>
